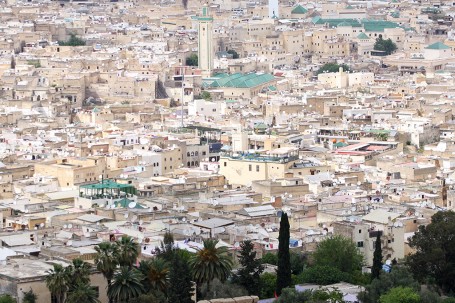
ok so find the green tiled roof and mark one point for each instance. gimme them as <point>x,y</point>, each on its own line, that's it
<point>362,36</point>
<point>124,203</point>
<point>299,10</point>
<point>239,80</point>
<point>335,22</point>
<point>437,45</point>
<point>344,24</point>
<point>367,24</point>
<point>378,25</point>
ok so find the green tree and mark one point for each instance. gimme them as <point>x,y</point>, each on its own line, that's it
<point>290,295</point>
<point>381,136</point>
<point>206,95</point>
<point>249,274</point>
<point>180,285</point>
<point>346,259</point>
<point>6,298</point>
<point>268,285</point>
<point>126,251</point>
<point>377,258</point>
<point>126,285</point>
<point>234,54</point>
<point>105,260</point>
<point>78,272</point>
<point>399,276</point>
<point>192,60</point>
<point>57,282</point>
<point>82,292</point>
<point>434,257</point>
<point>29,297</point>
<point>269,258</point>
<point>332,68</point>
<point>386,46</point>
<point>72,41</point>
<point>210,262</point>
<point>322,275</point>
<point>167,248</point>
<point>297,262</point>
<point>400,295</point>
<point>156,273</point>
<point>284,278</point>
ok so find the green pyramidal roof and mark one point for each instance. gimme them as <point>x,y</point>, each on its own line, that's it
<point>299,10</point>
<point>362,36</point>
<point>437,45</point>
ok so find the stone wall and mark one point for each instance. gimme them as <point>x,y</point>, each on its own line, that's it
<point>246,299</point>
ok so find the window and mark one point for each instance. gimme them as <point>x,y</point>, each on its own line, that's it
<point>360,244</point>
<point>250,167</point>
<point>360,231</point>
<point>257,167</point>
<point>225,164</point>
<point>204,153</point>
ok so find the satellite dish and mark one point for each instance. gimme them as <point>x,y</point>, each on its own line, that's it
<point>134,218</point>
<point>132,204</point>
<point>65,226</point>
<point>69,243</point>
<point>141,222</point>
<point>42,225</point>
<point>184,219</point>
<point>112,206</point>
<point>126,216</point>
<point>279,213</point>
<point>70,225</point>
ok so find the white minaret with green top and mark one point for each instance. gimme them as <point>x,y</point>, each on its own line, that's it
<point>205,42</point>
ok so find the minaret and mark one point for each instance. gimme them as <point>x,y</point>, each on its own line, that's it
<point>205,42</point>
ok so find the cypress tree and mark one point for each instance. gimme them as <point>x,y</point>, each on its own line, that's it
<point>249,275</point>
<point>377,258</point>
<point>180,285</point>
<point>284,259</point>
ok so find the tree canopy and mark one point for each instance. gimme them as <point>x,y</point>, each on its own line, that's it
<point>340,253</point>
<point>72,41</point>
<point>192,60</point>
<point>332,68</point>
<point>387,46</point>
<point>434,257</point>
<point>234,54</point>
<point>400,295</point>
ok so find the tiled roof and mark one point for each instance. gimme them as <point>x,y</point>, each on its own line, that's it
<point>362,36</point>
<point>299,10</point>
<point>437,45</point>
<point>239,80</point>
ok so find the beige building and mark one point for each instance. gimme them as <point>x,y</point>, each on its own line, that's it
<point>243,169</point>
<point>73,171</point>
<point>20,275</point>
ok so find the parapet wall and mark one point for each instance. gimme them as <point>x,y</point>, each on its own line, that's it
<point>246,299</point>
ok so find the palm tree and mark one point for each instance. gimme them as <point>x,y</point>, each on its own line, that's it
<point>126,285</point>
<point>127,251</point>
<point>211,262</point>
<point>57,282</point>
<point>156,273</point>
<point>105,259</point>
<point>82,292</point>
<point>78,272</point>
